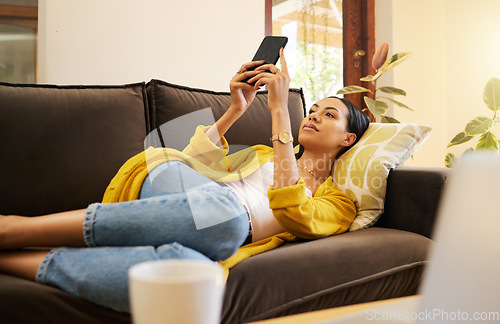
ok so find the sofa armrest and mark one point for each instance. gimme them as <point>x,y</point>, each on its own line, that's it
<point>412,199</point>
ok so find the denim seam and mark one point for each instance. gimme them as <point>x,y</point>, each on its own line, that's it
<point>42,269</point>
<point>88,224</point>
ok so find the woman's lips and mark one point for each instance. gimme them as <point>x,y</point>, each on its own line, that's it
<point>310,127</point>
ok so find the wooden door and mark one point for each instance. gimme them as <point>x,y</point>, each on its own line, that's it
<point>358,44</point>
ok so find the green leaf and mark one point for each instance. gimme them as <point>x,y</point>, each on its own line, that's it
<point>352,89</point>
<point>400,104</point>
<point>450,160</point>
<point>479,125</point>
<point>388,119</point>
<point>391,62</point>
<point>459,139</point>
<point>376,107</point>
<point>394,60</point>
<point>393,91</point>
<point>487,141</point>
<point>367,78</point>
<point>491,94</point>
<point>372,78</point>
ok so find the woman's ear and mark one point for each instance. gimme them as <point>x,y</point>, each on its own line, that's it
<point>349,139</point>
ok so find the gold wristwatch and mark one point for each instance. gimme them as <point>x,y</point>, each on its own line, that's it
<point>283,136</point>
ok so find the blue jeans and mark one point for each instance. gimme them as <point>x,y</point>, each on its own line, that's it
<point>179,214</point>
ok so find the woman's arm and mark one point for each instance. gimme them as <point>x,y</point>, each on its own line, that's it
<point>285,166</point>
<point>242,95</point>
<point>329,212</point>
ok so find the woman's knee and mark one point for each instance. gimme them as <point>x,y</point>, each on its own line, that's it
<point>221,222</point>
<point>228,237</point>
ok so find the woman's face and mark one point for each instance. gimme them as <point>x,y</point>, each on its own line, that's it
<point>325,128</point>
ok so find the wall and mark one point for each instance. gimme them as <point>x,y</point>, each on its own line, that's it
<point>455,52</point>
<point>473,47</point>
<point>201,44</point>
<point>190,42</point>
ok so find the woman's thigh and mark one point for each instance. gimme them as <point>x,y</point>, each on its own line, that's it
<point>195,212</point>
<point>172,177</point>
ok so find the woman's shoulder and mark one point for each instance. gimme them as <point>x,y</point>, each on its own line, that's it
<point>329,191</point>
<point>329,187</point>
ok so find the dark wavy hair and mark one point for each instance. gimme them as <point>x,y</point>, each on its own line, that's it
<point>357,123</point>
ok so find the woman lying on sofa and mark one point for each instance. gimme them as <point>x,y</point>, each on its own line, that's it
<point>200,203</point>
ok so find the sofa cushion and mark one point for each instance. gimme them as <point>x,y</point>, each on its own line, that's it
<point>362,171</point>
<point>169,101</point>
<point>350,268</point>
<point>63,144</point>
<point>354,267</point>
<point>26,302</point>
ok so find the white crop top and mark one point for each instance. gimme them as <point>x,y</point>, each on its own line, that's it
<point>252,193</point>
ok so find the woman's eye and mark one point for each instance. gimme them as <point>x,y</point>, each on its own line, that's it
<point>330,115</point>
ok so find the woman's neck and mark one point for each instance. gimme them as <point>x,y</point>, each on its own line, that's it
<point>319,165</point>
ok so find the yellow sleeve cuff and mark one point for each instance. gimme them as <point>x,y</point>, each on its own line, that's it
<point>290,196</point>
<point>203,149</point>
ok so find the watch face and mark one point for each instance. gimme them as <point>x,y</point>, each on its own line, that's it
<point>284,137</point>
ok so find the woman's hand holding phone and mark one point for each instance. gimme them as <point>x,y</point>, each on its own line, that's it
<point>277,81</point>
<point>244,84</point>
<point>242,93</point>
<point>262,72</point>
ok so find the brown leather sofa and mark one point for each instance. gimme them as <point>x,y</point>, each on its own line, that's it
<point>61,145</point>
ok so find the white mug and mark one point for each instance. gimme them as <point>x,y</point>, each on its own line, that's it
<point>176,291</point>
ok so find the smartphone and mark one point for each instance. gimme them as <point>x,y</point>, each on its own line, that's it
<point>269,50</point>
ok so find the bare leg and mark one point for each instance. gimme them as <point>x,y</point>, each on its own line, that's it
<point>23,264</point>
<point>61,229</point>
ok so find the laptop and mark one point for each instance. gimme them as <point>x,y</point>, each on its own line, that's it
<point>462,282</point>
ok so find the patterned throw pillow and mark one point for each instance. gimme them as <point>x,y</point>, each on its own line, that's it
<point>362,171</point>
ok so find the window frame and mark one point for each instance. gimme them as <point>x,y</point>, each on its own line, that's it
<point>22,16</point>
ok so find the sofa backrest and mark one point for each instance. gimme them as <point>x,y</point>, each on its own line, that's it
<point>413,198</point>
<point>61,145</point>
<point>169,101</point>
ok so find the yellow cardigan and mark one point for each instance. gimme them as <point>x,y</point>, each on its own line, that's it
<point>329,212</point>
